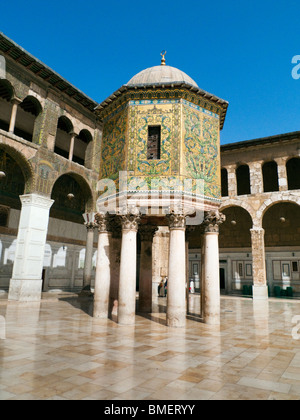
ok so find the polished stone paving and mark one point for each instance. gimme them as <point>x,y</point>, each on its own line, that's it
<point>56,350</point>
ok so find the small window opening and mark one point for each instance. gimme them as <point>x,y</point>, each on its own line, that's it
<point>154,139</point>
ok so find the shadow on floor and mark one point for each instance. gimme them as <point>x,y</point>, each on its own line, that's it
<point>85,304</point>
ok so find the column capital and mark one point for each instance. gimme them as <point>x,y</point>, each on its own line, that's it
<point>36,200</point>
<point>176,220</point>
<point>257,231</point>
<point>16,101</point>
<point>147,232</point>
<point>130,221</point>
<point>74,134</point>
<point>102,222</point>
<point>90,225</point>
<point>212,220</point>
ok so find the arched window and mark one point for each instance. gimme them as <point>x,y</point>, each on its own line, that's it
<point>12,181</point>
<point>6,94</point>
<point>71,195</point>
<point>224,182</point>
<point>63,136</point>
<point>243,180</point>
<point>81,147</point>
<point>235,231</point>
<point>27,113</point>
<point>281,223</point>
<point>270,176</point>
<point>153,144</point>
<point>293,173</point>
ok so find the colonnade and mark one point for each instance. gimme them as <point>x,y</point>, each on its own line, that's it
<point>115,283</point>
<point>127,226</point>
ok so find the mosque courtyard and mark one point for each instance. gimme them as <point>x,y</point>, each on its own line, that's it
<point>55,349</point>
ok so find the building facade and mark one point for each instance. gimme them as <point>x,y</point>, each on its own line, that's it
<point>52,158</point>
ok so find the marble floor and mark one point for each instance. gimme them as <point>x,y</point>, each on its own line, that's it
<point>56,350</point>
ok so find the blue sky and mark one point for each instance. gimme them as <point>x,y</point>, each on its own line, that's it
<point>240,51</point>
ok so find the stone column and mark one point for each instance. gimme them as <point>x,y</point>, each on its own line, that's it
<point>128,261</point>
<point>232,186</point>
<point>145,294</point>
<point>202,275</point>
<point>15,103</point>
<point>102,278</point>
<point>282,174</point>
<point>176,292</point>
<point>88,261</point>
<point>26,282</point>
<point>71,150</point>
<point>211,272</point>
<point>256,177</point>
<point>260,288</point>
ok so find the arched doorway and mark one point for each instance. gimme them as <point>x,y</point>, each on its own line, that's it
<point>13,177</point>
<point>12,181</point>
<point>293,173</point>
<point>63,137</point>
<point>71,196</point>
<point>82,145</point>
<point>67,234</point>
<point>235,251</point>
<point>281,223</point>
<point>6,95</point>
<point>270,176</point>
<point>243,180</point>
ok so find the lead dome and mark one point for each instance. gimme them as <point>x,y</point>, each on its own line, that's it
<point>160,75</point>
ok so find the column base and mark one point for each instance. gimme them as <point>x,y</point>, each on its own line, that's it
<point>177,320</point>
<point>212,320</point>
<point>25,290</point>
<point>126,320</point>
<point>260,292</point>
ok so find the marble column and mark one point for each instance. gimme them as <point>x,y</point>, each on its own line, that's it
<point>282,174</point>
<point>72,142</point>
<point>102,278</point>
<point>176,292</point>
<point>128,261</point>
<point>26,282</point>
<point>88,261</point>
<point>145,293</point>
<point>211,274</point>
<point>15,103</point>
<point>260,288</point>
<point>232,185</point>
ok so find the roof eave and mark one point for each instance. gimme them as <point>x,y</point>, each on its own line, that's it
<point>209,96</point>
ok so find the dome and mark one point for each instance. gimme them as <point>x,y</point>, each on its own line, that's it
<point>160,75</point>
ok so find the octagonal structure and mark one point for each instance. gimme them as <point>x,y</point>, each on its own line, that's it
<point>161,142</point>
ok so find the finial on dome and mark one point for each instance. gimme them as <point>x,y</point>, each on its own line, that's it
<point>163,60</point>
